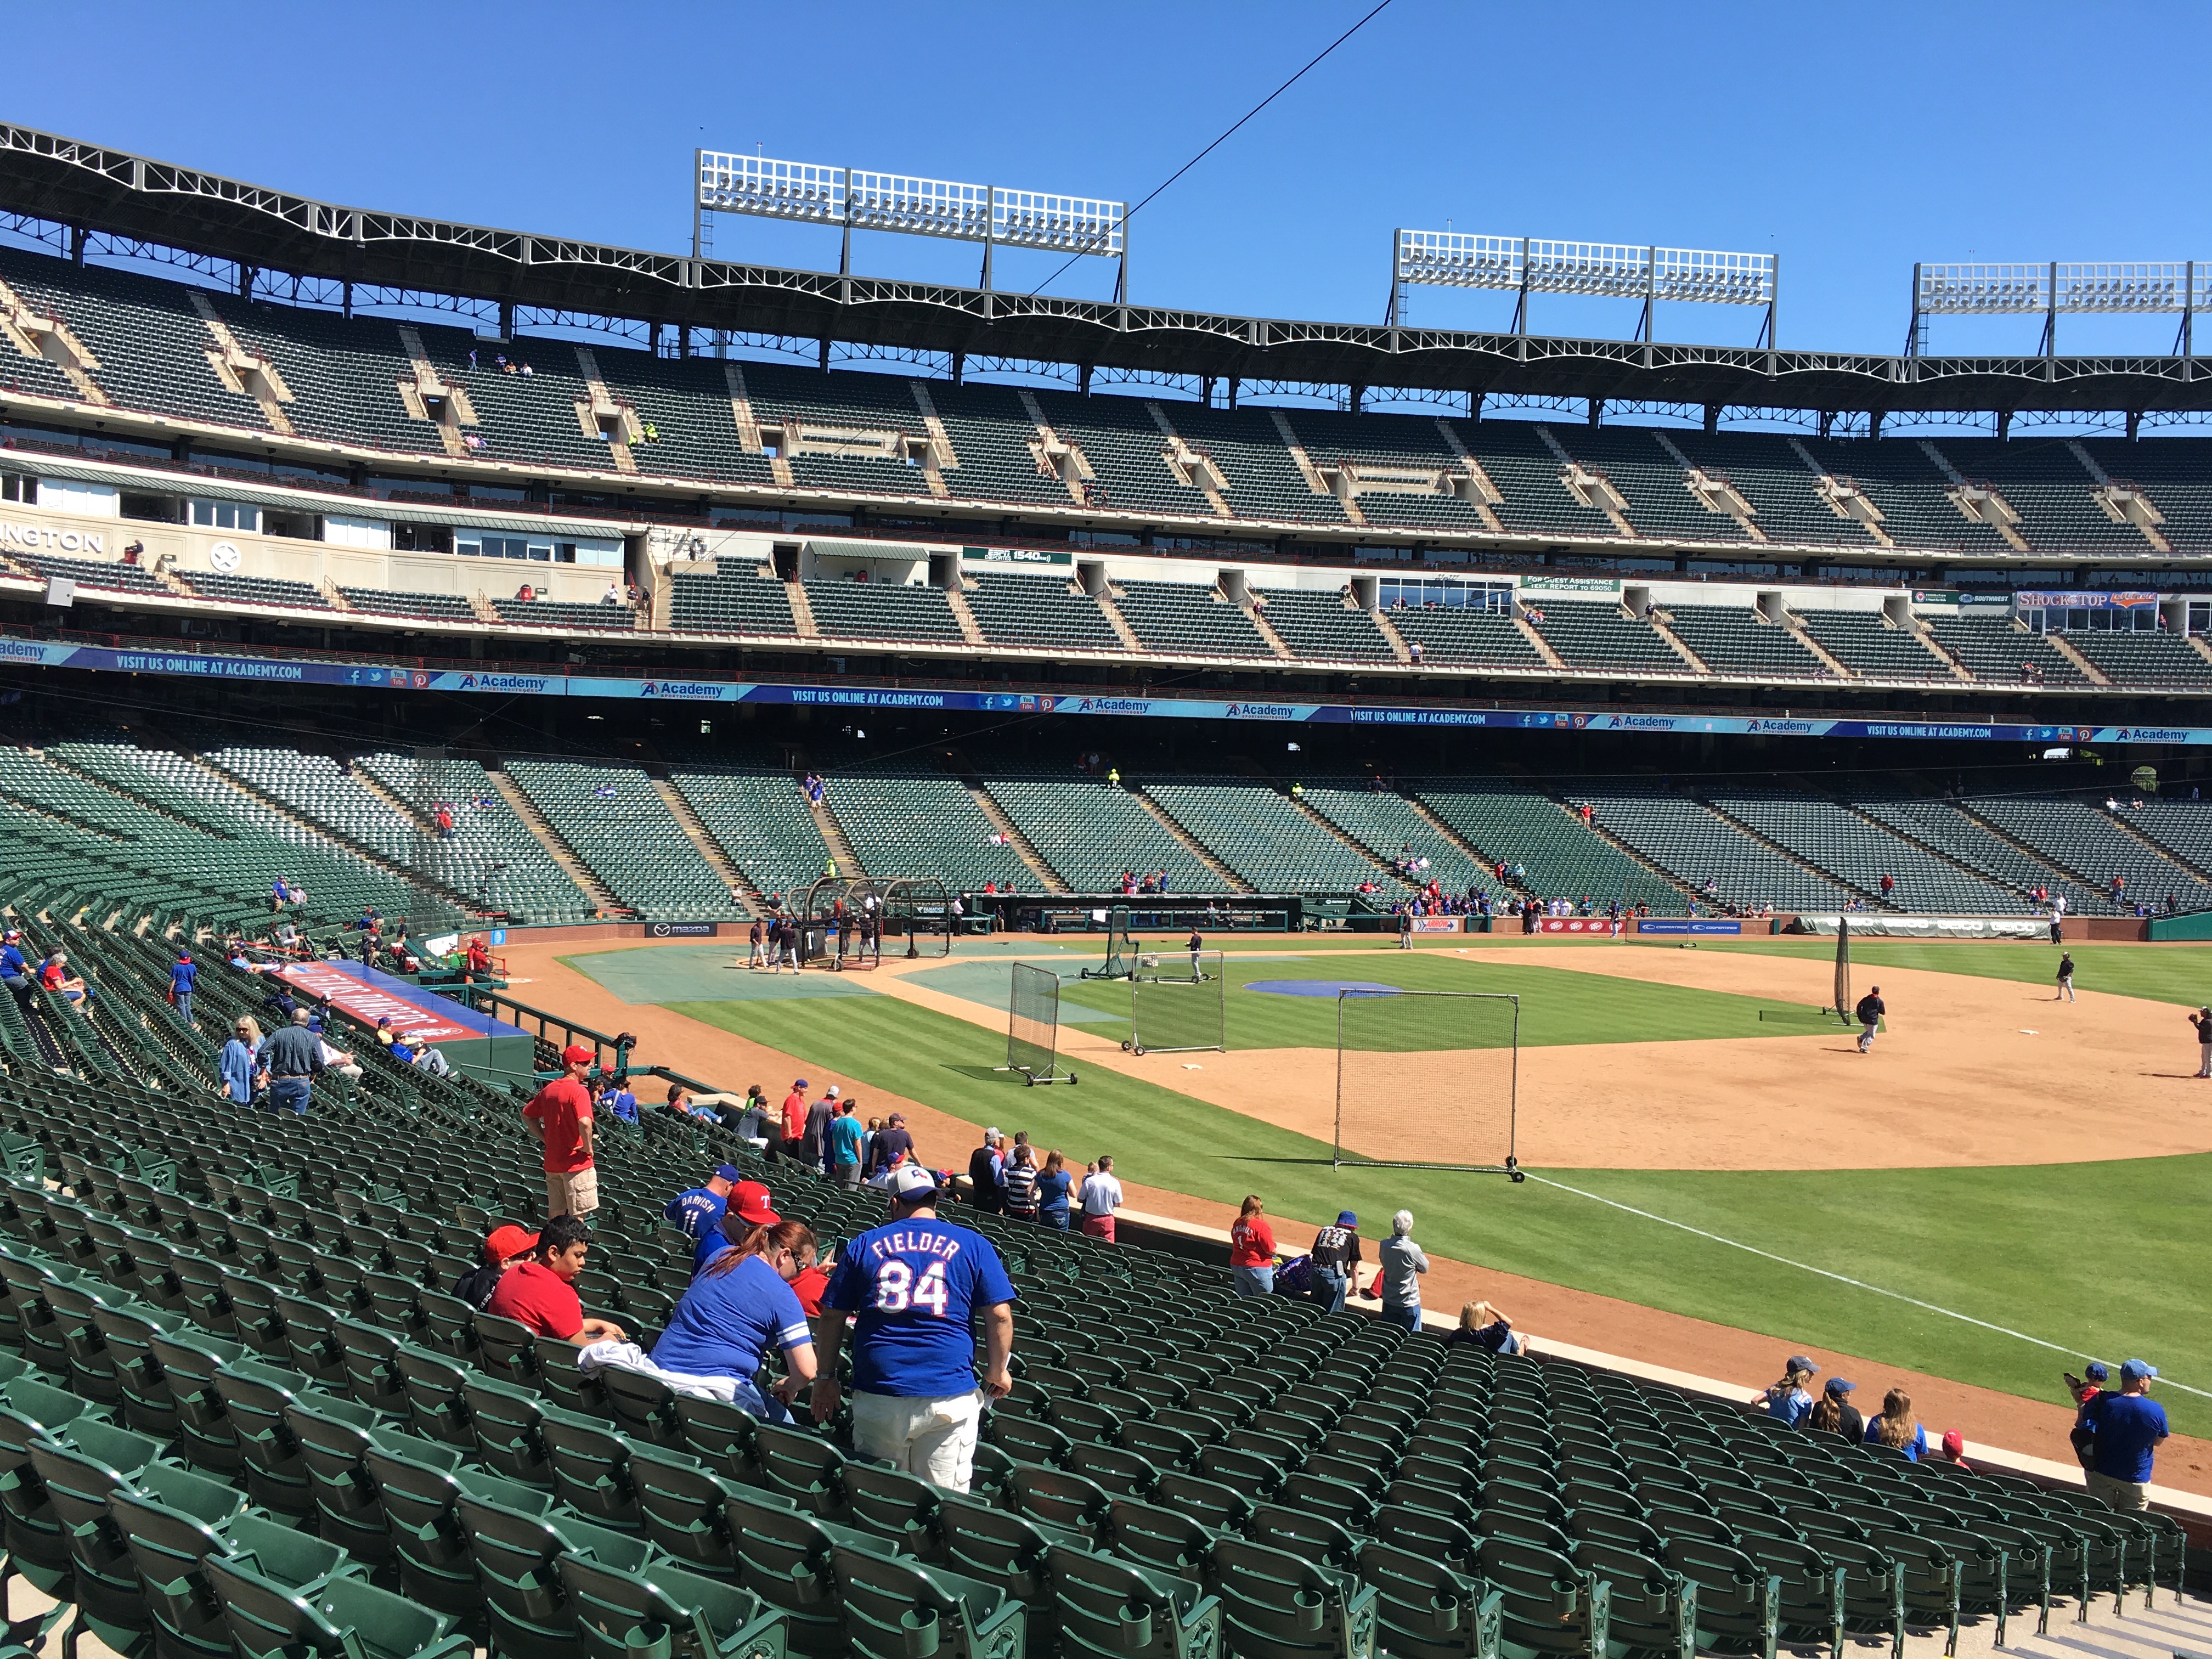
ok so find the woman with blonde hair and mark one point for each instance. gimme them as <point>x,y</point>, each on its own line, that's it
<point>241,1060</point>
<point>1482,1325</point>
<point>1897,1428</point>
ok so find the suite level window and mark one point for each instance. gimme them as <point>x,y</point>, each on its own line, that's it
<point>226,515</point>
<point>504,547</point>
<point>15,487</point>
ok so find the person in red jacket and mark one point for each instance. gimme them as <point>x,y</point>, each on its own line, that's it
<point>794,1121</point>
<point>1252,1249</point>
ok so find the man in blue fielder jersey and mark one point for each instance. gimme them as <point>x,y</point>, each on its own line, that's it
<point>915,1282</point>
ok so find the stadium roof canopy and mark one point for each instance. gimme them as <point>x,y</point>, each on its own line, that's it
<point>118,195</point>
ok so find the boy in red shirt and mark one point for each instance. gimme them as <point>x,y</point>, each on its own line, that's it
<point>540,1291</point>
<point>560,1114</point>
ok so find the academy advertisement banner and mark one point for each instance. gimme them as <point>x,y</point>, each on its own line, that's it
<point>499,682</point>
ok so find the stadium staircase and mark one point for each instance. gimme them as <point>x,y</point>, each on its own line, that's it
<point>1659,622</point>
<point>698,835</point>
<point>972,779</point>
<point>833,835</point>
<point>1634,855</point>
<point>587,879</point>
<point>1259,616</point>
<point>1389,879</point>
<point>802,613</point>
<point>1538,643</point>
<point>1191,844</point>
<point>421,821</point>
<point>1388,630</point>
<point>317,827</point>
<point>955,601</point>
<point>1873,899</point>
<point>1123,631</point>
<point>1829,660</point>
<point>2066,648</point>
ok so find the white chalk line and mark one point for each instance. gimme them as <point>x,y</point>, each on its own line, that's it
<point>1840,1278</point>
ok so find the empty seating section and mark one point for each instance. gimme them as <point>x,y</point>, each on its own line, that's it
<point>1653,484</point>
<point>991,434</point>
<point>1910,491</point>
<point>2183,828</point>
<point>1261,479</point>
<point>1731,639</point>
<point>687,405</point>
<point>1860,853</point>
<point>1998,651</point>
<point>756,816</point>
<point>1526,474</point>
<point>1260,833</point>
<point>1184,619</point>
<point>551,613</point>
<point>1088,831</point>
<point>882,610</point>
<point>913,822</point>
<point>1391,449</point>
<point>1321,628</point>
<point>2173,476</point>
<point>504,861</point>
<point>1127,453</point>
<point>614,820</point>
<point>344,373</point>
<point>735,601</point>
<point>90,573</point>
<point>529,418</point>
<point>2144,658</point>
<point>1515,825</point>
<point>437,607</point>
<point>1957,834</point>
<point>1782,489</point>
<point>1865,642</point>
<point>1452,636</point>
<point>857,425</point>
<point>1721,864</point>
<point>258,590</point>
<point>1598,636</point>
<point>1039,611</point>
<point>2040,480</point>
<point>2086,840</point>
<point>1390,826</point>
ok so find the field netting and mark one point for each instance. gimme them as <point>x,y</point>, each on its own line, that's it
<point>1427,1078</point>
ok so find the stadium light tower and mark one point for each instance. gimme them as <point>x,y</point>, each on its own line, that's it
<point>1528,264</point>
<point>852,200</point>
<point>2136,288</point>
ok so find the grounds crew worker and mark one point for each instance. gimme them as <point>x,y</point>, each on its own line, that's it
<point>1870,1011</point>
<point>917,1283</point>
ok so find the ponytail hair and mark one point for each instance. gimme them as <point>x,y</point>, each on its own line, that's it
<point>793,1236</point>
<point>1252,1205</point>
<point>1827,1413</point>
<point>1899,1425</point>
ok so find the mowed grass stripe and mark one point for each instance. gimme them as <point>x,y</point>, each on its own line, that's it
<point>2167,973</point>
<point>2101,1254</point>
<point>1559,1005</point>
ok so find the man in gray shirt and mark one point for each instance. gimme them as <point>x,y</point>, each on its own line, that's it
<point>1398,1280</point>
<point>293,1057</point>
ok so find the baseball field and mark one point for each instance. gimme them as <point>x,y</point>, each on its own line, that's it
<point>2007,1185</point>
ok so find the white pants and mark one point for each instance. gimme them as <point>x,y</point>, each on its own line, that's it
<point>2066,987</point>
<point>932,1438</point>
<point>759,958</point>
<point>2204,1069</point>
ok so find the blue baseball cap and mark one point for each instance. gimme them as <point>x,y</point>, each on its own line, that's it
<point>1838,1385</point>
<point>729,1172</point>
<point>1346,1219</point>
<point>2137,1371</point>
<point>1799,1363</point>
<point>2095,1371</point>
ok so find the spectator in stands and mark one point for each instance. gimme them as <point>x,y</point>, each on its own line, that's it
<point>737,1305</point>
<point>684,1103</point>
<point>844,1142</point>
<point>750,1205</point>
<point>814,1149</point>
<point>1888,886</point>
<point>15,967</point>
<point>1787,1400</point>
<point>1487,1328</point>
<point>70,988</point>
<point>2127,1428</point>
<point>2084,1394</point>
<point>1897,1428</point>
<point>892,1146</point>
<point>1398,1282</point>
<point>1252,1249</point>
<point>560,1116</point>
<point>1834,1413</point>
<point>2201,1019</point>
<point>526,593</point>
<point>292,1057</point>
<point>1099,1196</point>
<point>1954,1446</point>
<point>987,1174</point>
<point>1413,652</point>
<point>1021,1188</point>
<point>794,1121</point>
<point>433,1061</point>
<point>747,1119</point>
<point>612,596</point>
<point>1335,1261</point>
<point>336,1058</point>
<point>617,1100</point>
<point>1052,1185</point>
<point>539,1292</point>
<point>508,1245</point>
<point>699,1209</point>
<point>239,1063</point>
<point>182,974</point>
<point>917,1284</point>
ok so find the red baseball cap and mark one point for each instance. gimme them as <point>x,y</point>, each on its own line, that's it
<point>508,1242</point>
<point>576,1055</point>
<point>748,1202</point>
<point>1954,1443</point>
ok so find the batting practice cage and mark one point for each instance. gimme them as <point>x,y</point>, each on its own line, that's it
<point>846,920</point>
<point>1427,1080</point>
<point>1172,1011</point>
<point>1117,964</point>
<point>1033,1026</point>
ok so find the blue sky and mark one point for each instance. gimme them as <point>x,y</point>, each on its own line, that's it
<point>1850,141</point>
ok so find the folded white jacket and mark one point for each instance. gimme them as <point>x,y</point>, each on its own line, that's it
<point>604,1355</point>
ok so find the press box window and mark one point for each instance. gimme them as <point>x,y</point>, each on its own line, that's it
<point>503,547</point>
<point>227,515</point>
<point>15,487</point>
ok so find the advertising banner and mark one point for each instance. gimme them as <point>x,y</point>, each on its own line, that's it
<point>1601,926</point>
<point>1696,924</point>
<point>1439,924</point>
<point>370,995</point>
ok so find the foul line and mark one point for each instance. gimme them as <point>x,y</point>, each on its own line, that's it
<point>1855,1284</point>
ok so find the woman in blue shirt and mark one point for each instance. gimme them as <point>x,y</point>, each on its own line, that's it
<point>239,1063</point>
<point>1052,1186</point>
<point>740,1305</point>
<point>1897,1428</point>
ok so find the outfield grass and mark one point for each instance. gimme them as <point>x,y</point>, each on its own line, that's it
<point>2103,1255</point>
<point>2171,973</point>
<point>1558,1006</point>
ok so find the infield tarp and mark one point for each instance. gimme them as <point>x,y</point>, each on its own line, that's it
<point>485,1048</point>
<point>1929,927</point>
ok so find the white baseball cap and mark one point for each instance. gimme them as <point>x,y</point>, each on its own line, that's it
<point>833,1092</point>
<point>910,1182</point>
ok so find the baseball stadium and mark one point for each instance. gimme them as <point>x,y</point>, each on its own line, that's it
<point>1710,839</point>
